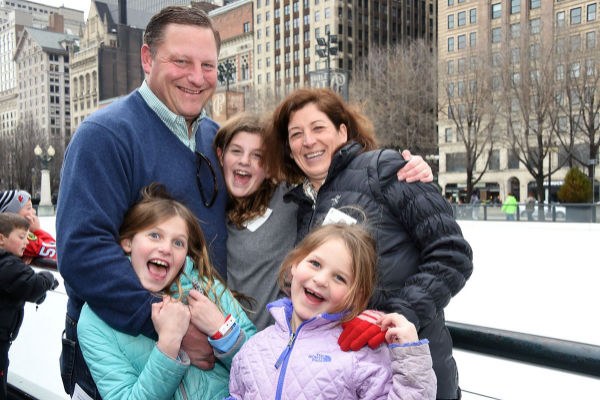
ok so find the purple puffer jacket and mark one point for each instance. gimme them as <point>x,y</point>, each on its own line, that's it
<point>274,364</point>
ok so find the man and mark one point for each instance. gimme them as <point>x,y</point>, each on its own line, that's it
<point>158,133</point>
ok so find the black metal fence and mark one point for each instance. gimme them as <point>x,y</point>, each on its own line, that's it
<point>542,351</point>
<point>555,212</point>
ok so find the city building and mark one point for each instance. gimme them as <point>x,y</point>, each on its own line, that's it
<point>15,15</point>
<point>294,39</point>
<point>502,87</point>
<point>43,88</point>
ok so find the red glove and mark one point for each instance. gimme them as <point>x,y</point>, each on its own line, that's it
<point>362,330</point>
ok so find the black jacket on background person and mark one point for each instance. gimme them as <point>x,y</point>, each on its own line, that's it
<point>424,259</point>
<point>18,283</point>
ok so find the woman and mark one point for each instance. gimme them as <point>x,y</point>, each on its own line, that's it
<point>261,227</point>
<point>317,140</point>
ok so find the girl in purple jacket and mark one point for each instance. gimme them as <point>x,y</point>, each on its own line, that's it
<point>332,273</point>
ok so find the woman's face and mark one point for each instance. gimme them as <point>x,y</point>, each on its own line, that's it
<point>313,140</point>
<point>242,164</point>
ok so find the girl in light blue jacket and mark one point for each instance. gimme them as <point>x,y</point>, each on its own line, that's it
<point>168,253</point>
<point>332,277</point>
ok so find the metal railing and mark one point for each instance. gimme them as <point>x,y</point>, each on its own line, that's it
<point>554,212</point>
<point>542,351</point>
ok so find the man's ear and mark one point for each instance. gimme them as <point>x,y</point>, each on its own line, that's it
<point>2,240</point>
<point>147,60</point>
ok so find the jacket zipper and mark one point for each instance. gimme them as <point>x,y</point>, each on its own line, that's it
<point>183,391</point>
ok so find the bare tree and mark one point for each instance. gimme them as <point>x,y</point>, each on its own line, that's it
<point>579,79</point>
<point>19,161</point>
<point>471,107</point>
<point>530,103</point>
<point>396,88</point>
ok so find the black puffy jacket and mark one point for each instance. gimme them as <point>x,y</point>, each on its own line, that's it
<point>18,283</point>
<point>424,259</point>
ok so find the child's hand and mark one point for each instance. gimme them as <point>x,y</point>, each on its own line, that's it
<point>399,329</point>
<point>34,222</point>
<point>206,316</point>
<point>171,319</point>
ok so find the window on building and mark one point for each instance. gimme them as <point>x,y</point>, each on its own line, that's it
<point>534,51</point>
<point>473,39</point>
<point>494,161</point>
<point>246,27</point>
<point>473,15</point>
<point>462,42</point>
<point>515,30</point>
<point>456,162</point>
<point>462,63</point>
<point>450,89</point>
<point>515,6</point>
<point>450,44</point>
<point>590,40</point>
<point>450,2</point>
<point>450,67</point>
<point>575,42</point>
<point>560,19</point>
<point>448,135</point>
<point>515,55</point>
<point>496,35</point>
<point>575,15</point>
<point>513,160</point>
<point>533,4</point>
<point>591,12</point>
<point>450,21</point>
<point>535,25</point>
<point>496,10</point>
<point>462,18</point>
<point>258,18</point>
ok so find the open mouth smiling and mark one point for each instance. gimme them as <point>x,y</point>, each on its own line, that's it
<point>158,268</point>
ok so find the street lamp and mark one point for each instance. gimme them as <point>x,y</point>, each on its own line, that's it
<point>226,73</point>
<point>325,49</point>
<point>45,207</point>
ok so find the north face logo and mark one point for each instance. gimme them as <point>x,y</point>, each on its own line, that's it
<point>319,357</point>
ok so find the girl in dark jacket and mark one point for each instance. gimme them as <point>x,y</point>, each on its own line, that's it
<point>326,146</point>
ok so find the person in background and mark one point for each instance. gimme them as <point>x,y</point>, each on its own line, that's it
<point>163,238</point>
<point>333,272</point>
<point>509,207</point>
<point>18,283</point>
<point>329,148</point>
<point>41,246</point>
<point>157,133</point>
<point>530,206</point>
<point>261,226</point>
<point>475,203</point>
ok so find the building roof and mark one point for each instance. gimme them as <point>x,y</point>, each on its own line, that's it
<point>49,41</point>
<point>105,15</point>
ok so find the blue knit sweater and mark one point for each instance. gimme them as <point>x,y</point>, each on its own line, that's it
<point>115,153</point>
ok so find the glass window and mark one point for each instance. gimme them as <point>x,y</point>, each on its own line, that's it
<point>473,15</point>
<point>462,18</point>
<point>450,21</point>
<point>591,12</point>
<point>560,19</point>
<point>533,4</point>
<point>448,135</point>
<point>535,25</point>
<point>450,44</point>
<point>496,10</point>
<point>450,68</point>
<point>462,42</point>
<point>496,35</point>
<point>575,15</point>
<point>515,6</point>
<point>473,39</point>
<point>450,2</point>
<point>515,30</point>
<point>462,62</point>
<point>590,40</point>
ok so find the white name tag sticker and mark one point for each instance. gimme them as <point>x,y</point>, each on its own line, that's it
<point>256,223</point>
<point>335,216</point>
<point>80,394</point>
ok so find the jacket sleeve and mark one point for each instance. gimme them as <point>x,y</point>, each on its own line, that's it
<point>114,374</point>
<point>445,256</point>
<point>410,376</point>
<point>413,376</point>
<point>19,282</point>
<point>40,244</point>
<point>95,192</point>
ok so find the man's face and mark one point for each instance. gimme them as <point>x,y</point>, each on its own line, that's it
<point>183,71</point>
